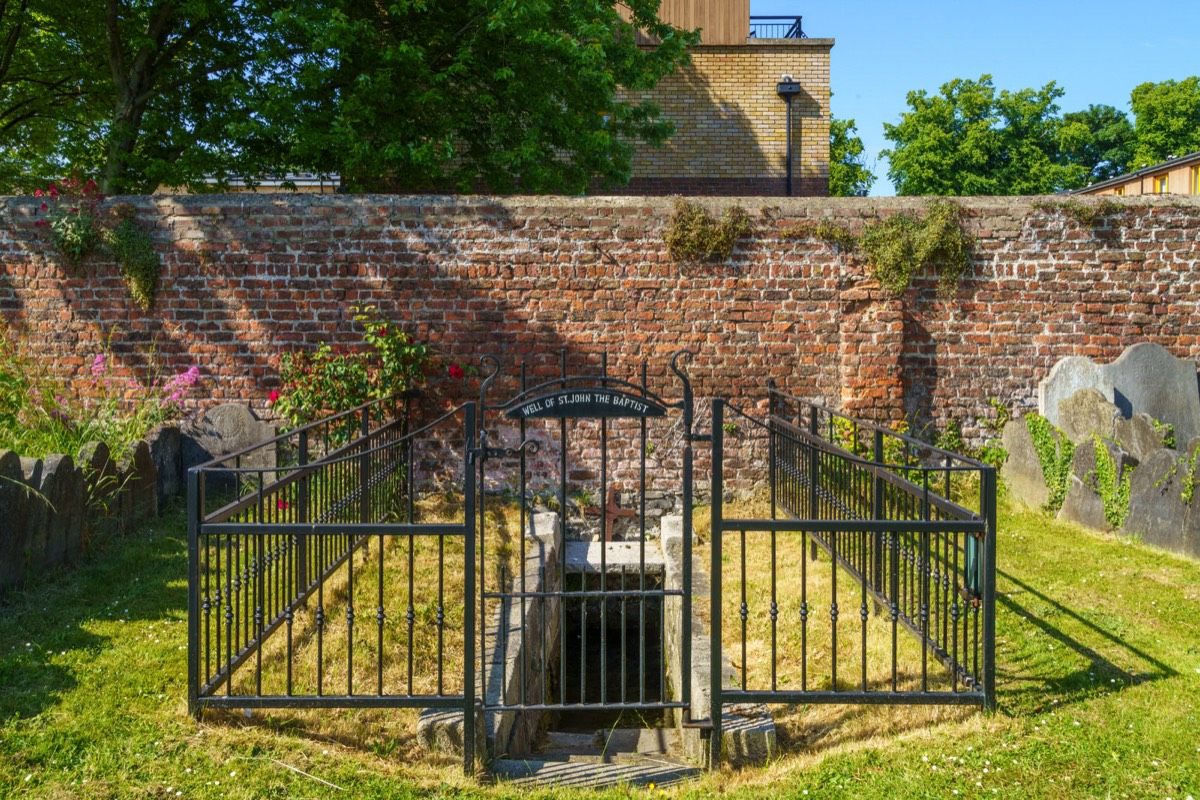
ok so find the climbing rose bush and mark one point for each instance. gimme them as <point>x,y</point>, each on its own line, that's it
<point>334,378</point>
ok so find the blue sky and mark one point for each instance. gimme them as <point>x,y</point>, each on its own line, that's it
<point>1096,51</point>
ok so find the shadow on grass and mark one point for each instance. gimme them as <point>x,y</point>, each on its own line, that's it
<point>1082,683</point>
<point>45,627</point>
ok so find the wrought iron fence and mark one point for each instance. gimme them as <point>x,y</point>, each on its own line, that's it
<point>909,532</point>
<point>777,28</point>
<point>315,580</point>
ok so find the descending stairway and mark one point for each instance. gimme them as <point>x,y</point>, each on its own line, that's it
<point>633,756</point>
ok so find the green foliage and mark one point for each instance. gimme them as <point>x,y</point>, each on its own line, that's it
<point>42,413</point>
<point>332,378</point>
<point>1165,431</point>
<point>849,175</point>
<point>1054,451</point>
<point>132,247</point>
<point>1100,140</point>
<point>1168,120</point>
<point>837,236</point>
<point>1088,214</point>
<point>969,140</point>
<point>903,244</point>
<point>529,97</point>
<point>950,437</point>
<point>70,212</point>
<point>693,235</point>
<point>992,452</point>
<point>399,95</point>
<point>730,428</point>
<point>1113,489</point>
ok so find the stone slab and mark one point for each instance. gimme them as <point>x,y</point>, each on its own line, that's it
<point>1022,471</point>
<point>166,449</point>
<point>226,429</point>
<point>1158,513</point>
<point>13,503</point>
<point>1148,379</point>
<point>1087,413</point>
<point>139,485</point>
<point>1083,503</point>
<point>584,557</point>
<point>1066,378</point>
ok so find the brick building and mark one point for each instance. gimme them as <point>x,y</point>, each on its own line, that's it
<point>730,122</point>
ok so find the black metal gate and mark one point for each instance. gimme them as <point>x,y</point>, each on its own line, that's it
<point>903,612</point>
<point>356,563</point>
<point>559,631</point>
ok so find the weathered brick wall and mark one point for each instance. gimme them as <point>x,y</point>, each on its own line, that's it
<point>246,277</point>
<point>730,125</point>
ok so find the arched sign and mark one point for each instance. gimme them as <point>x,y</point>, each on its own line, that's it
<point>590,403</point>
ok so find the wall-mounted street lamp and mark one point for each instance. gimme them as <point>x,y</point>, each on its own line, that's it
<point>787,88</point>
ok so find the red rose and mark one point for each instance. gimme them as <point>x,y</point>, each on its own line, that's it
<point>274,396</point>
<point>456,371</point>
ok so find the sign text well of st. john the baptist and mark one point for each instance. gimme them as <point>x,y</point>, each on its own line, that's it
<point>572,403</point>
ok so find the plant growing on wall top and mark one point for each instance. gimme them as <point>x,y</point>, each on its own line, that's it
<point>904,244</point>
<point>694,235</point>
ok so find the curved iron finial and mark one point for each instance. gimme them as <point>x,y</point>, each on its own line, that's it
<point>687,388</point>
<point>489,378</point>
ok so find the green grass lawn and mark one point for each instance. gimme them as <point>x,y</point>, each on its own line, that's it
<point>1099,684</point>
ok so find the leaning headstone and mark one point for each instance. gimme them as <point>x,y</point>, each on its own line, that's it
<point>36,514</point>
<point>1022,471</point>
<point>1084,503</point>
<point>103,489</point>
<point>166,448</point>
<point>13,502</point>
<point>1148,379</point>
<point>1085,414</point>
<point>1157,510</point>
<point>1065,379</point>
<point>227,429</point>
<point>1140,436</point>
<point>139,485</point>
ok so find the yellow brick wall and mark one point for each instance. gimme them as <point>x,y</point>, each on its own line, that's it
<point>730,123</point>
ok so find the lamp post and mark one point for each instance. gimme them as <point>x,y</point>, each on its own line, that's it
<point>787,88</point>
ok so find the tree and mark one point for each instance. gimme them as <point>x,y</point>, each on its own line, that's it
<point>536,96</point>
<point>849,175</point>
<point>406,94</point>
<point>1168,120</point>
<point>1100,139</point>
<point>970,140</point>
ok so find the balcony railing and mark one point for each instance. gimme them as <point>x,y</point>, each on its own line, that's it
<point>776,28</point>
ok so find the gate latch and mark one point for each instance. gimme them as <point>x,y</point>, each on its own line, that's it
<point>491,453</point>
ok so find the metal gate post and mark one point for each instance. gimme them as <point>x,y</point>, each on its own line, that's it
<point>715,649</point>
<point>469,664</point>
<point>988,492</point>
<point>195,509</point>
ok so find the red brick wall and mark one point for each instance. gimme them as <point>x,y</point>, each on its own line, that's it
<point>247,276</point>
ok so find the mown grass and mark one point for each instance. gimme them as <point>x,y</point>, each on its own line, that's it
<point>1099,681</point>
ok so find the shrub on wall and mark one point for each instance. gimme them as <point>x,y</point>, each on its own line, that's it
<point>695,236</point>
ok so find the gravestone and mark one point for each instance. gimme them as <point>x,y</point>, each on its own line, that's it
<point>1147,378</point>
<point>1083,503</point>
<point>1065,379</point>
<point>13,502</point>
<point>226,429</point>
<point>1087,413</point>
<point>104,488</point>
<point>1157,511</point>
<point>1022,471</point>
<point>139,485</point>
<point>166,449</point>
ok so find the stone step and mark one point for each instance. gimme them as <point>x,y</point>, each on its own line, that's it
<point>585,774</point>
<point>584,557</point>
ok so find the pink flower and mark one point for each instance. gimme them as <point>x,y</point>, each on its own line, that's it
<point>274,396</point>
<point>281,503</point>
<point>37,193</point>
<point>99,365</point>
<point>456,372</point>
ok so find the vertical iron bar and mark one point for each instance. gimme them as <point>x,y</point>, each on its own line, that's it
<point>469,666</point>
<point>988,500</point>
<point>194,512</point>
<point>715,649</point>
<point>606,531</point>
